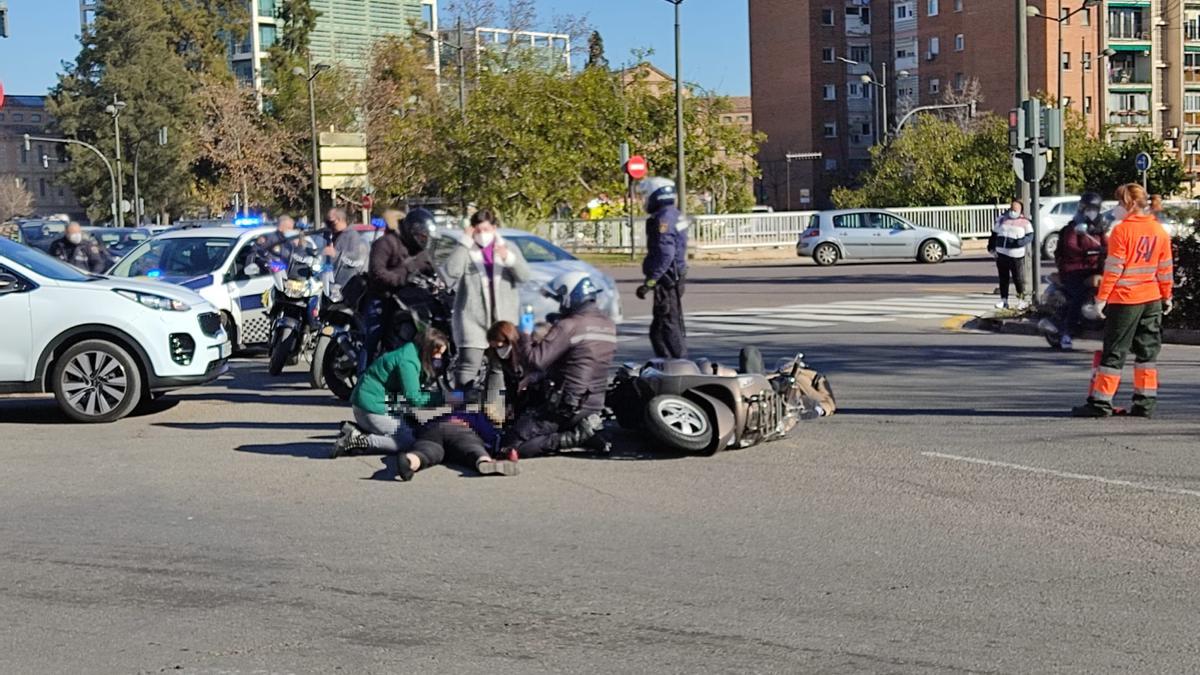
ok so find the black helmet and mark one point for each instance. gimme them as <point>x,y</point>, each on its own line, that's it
<point>1090,200</point>
<point>416,228</point>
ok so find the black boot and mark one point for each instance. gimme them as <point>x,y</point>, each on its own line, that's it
<point>585,430</point>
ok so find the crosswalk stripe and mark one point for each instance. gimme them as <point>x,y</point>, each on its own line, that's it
<point>763,321</point>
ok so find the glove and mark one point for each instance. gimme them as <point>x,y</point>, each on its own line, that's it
<point>1100,305</point>
<point>641,292</point>
<point>1168,305</point>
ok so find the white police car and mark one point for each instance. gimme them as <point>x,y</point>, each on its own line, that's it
<point>213,261</point>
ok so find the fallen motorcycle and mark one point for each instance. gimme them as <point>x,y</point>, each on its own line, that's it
<point>1053,308</point>
<point>699,406</point>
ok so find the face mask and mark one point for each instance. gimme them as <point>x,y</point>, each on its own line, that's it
<point>75,238</point>
<point>504,351</point>
<point>1014,214</point>
<point>1091,214</point>
<point>485,239</point>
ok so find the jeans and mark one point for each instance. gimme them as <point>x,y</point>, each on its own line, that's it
<point>1077,289</point>
<point>1011,269</point>
<point>385,433</point>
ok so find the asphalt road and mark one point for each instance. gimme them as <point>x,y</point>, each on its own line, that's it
<point>950,518</point>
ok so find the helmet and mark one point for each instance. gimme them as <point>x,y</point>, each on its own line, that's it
<point>1090,199</point>
<point>416,228</point>
<point>572,290</point>
<point>657,192</point>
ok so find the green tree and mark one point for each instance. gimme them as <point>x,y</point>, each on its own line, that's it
<point>936,163</point>
<point>150,55</point>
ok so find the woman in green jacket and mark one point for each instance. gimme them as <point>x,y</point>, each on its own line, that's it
<point>402,371</point>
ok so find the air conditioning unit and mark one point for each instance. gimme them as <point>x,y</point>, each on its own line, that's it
<point>929,56</point>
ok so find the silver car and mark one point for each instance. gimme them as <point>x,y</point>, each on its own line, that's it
<point>546,261</point>
<point>851,234</point>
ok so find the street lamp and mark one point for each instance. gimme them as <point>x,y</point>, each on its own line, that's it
<point>882,84</point>
<point>115,109</point>
<point>137,195</point>
<point>310,75</point>
<point>680,187</point>
<point>1032,11</point>
<point>460,62</point>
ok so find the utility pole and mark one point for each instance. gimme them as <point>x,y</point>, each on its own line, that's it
<point>115,109</point>
<point>883,92</point>
<point>310,74</point>
<point>1022,8</point>
<point>680,168</point>
<point>461,61</point>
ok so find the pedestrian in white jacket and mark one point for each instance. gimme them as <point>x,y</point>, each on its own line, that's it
<point>1011,236</point>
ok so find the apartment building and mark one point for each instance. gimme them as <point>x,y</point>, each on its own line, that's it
<point>1129,66</point>
<point>27,115</point>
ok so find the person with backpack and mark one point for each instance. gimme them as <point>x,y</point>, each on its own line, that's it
<point>1079,257</point>
<point>1010,237</point>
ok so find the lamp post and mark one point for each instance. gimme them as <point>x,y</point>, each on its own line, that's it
<point>112,175</point>
<point>680,170</point>
<point>882,84</point>
<point>115,109</point>
<point>1032,11</point>
<point>310,75</point>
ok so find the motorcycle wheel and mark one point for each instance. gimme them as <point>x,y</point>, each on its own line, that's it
<point>339,382</point>
<point>316,373</point>
<point>281,350</point>
<point>679,423</point>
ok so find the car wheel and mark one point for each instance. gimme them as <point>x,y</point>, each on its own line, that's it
<point>679,423</point>
<point>1050,246</point>
<point>932,252</point>
<point>231,330</point>
<point>96,381</point>
<point>826,254</point>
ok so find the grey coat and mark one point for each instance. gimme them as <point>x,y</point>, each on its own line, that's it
<point>473,311</point>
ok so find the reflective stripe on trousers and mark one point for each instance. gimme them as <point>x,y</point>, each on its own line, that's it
<point>1105,384</point>
<point>1145,379</point>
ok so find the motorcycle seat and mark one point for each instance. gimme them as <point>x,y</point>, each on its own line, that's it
<point>675,366</point>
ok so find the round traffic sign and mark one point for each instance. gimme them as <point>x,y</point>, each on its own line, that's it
<point>368,202</point>
<point>636,167</point>
<point>1142,162</point>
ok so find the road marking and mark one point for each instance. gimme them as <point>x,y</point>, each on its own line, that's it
<point>1066,474</point>
<point>956,322</point>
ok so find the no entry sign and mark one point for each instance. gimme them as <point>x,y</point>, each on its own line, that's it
<point>636,167</point>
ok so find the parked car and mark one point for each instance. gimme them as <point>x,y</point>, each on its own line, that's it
<point>41,233</point>
<point>546,261</point>
<point>119,241</point>
<point>1056,213</point>
<point>214,262</point>
<point>851,234</point>
<point>101,345</point>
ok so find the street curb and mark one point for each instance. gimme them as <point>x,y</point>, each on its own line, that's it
<point>1176,336</point>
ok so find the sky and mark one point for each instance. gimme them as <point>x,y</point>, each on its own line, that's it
<point>716,42</point>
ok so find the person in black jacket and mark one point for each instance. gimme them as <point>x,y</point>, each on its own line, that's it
<point>574,358</point>
<point>399,254</point>
<point>75,248</point>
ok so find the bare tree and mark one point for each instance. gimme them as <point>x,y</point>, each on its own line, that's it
<point>970,92</point>
<point>15,199</point>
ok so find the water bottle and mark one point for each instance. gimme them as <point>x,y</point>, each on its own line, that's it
<point>526,326</point>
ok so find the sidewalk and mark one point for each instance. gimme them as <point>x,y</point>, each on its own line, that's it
<point>1027,325</point>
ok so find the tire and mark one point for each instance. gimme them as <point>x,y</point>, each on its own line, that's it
<point>931,252</point>
<point>231,330</point>
<point>281,351</point>
<point>340,384</point>
<point>96,381</point>
<point>1050,246</point>
<point>316,373</point>
<point>826,254</point>
<point>679,423</point>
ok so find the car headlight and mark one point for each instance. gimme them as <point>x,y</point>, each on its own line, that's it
<point>154,301</point>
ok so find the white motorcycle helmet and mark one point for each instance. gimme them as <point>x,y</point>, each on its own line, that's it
<point>656,193</point>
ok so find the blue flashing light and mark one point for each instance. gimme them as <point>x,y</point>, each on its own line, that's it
<point>154,274</point>
<point>247,221</point>
<point>378,223</point>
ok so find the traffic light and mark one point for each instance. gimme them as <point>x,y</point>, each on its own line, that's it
<point>1052,127</point>
<point>1016,129</point>
<point>1033,119</point>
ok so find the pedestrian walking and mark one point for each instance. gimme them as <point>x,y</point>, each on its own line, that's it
<point>665,267</point>
<point>484,272</point>
<point>1010,238</point>
<point>1134,295</point>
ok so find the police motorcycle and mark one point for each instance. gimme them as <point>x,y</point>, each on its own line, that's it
<point>293,302</point>
<point>340,353</point>
<point>704,407</point>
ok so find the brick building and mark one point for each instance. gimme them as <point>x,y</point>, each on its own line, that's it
<point>27,115</point>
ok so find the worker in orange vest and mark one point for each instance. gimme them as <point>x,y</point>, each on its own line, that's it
<point>1133,296</point>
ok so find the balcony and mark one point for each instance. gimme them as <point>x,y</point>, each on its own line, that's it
<point>1129,118</point>
<point>1128,25</point>
<point>1191,119</point>
<point>1130,68</point>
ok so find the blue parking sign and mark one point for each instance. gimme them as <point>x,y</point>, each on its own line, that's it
<point>1142,162</point>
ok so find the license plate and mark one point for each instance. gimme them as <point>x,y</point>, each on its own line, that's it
<point>327,330</point>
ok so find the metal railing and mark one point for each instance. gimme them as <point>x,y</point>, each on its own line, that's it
<point>751,230</point>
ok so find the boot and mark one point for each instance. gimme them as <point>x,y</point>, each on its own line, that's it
<point>583,431</point>
<point>350,444</point>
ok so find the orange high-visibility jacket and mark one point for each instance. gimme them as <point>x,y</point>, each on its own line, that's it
<point>1139,268</point>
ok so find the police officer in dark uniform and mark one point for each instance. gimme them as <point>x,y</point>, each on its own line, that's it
<point>665,267</point>
<point>275,245</point>
<point>574,357</point>
<point>74,248</point>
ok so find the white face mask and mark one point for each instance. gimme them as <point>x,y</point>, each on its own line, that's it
<point>485,239</point>
<point>504,351</point>
<point>75,238</point>
<point>1014,214</point>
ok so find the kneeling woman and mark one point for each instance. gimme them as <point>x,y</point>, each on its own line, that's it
<point>401,371</point>
<point>461,438</point>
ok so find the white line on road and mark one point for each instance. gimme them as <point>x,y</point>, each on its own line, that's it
<point>1066,474</point>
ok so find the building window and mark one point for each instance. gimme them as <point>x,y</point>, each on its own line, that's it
<point>266,8</point>
<point>935,86</point>
<point>960,42</point>
<point>853,90</point>
<point>935,46</point>
<point>829,92</point>
<point>960,82</point>
<point>902,12</point>
<point>18,117</point>
<point>1085,60</point>
<point>860,54</point>
<point>1065,15</point>
<point>830,130</point>
<point>1066,57</point>
<point>1087,105</point>
<point>1085,17</point>
<point>831,165</point>
<point>827,55</point>
<point>958,5</point>
<point>266,37</point>
<point>35,117</point>
<point>931,7</point>
<point>827,17</point>
<point>41,187</point>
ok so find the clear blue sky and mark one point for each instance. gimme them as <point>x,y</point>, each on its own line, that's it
<point>716,44</point>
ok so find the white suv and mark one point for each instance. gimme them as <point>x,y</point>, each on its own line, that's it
<point>101,345</point>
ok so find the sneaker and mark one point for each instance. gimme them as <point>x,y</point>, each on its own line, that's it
<point>1089,410</point>
<point>1065,343</point>
<point>1021,304</point>
<point>350,443</point>
<point>1003,304</point>
<point>497,467</point>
